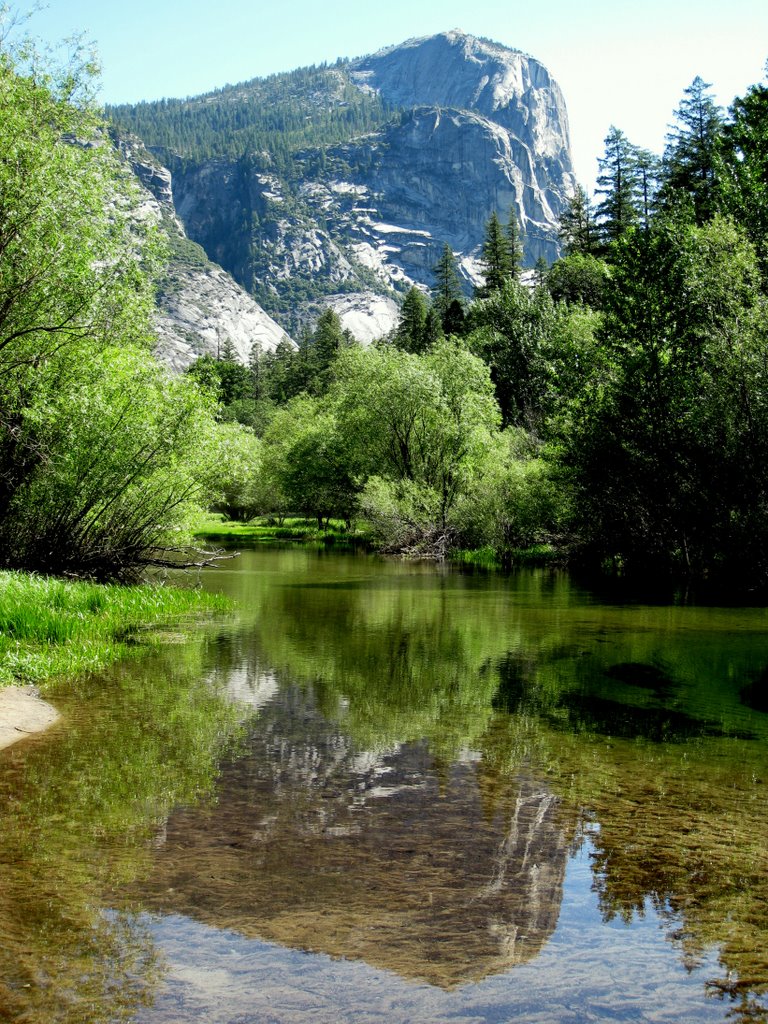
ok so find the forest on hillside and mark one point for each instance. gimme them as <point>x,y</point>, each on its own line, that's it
<point>614,411</point>
<point>266,121</point>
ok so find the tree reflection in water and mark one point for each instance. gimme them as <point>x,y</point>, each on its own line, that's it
<point>427,751</point>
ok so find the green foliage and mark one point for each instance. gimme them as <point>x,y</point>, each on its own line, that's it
<point>100,450</point>
<point>306,465</point>
<point>285,122</point>
<point>691,156</point>
<point>411,331</point>
<point>498,260</point>
<point>743,177</point>
<point>514,331</point>
<point>620,182</point>
<point>52,628</point>
<point>578,231</point>
<point>122,448</point>
<point>579,277</point>
<point>665,455</point>
<point>234,480</point>
<point>418,430</point>
<point>516,504</point>
<point>226,378</point>
<point>447,293</point>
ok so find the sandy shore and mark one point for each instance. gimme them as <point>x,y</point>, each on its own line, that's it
<point>22,713</point>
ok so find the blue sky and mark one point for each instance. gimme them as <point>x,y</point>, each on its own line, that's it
<point>618,63</point>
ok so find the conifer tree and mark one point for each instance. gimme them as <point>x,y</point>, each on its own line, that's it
<point>690,158</point>
<point>410,334</point>
<point>743,184</point>
<point>578,232</point>
<point>447,288</point>
<point>515,242</point>
<point>618,183</point>
<point>496,258</point>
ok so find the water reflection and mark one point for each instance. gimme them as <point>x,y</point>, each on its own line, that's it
<point>79,807</point>
<point>425,756</point>
<point>386,857</point>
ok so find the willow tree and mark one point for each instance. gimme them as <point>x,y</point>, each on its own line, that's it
<point>76,297</point>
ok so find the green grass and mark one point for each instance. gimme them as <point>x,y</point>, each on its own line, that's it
<point>51,627</point>
<point>268,528</point>
<point>490,558</point>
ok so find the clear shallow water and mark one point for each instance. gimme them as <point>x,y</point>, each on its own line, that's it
<point>391,792</point>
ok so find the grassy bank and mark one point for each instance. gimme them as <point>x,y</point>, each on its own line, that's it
<point>267,528</point>
<point>488,558</point>
<point>49,627</point>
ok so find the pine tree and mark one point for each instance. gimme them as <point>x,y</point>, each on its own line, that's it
<point>618,182</point>
<point>447,288</point>
<point>648,168</point>
<point>690,158</point>
<point>743,184</point>
<point>578,230</point>
<point>433,328</point>
<point>410,334</point>
<point>515,242</point>
<point>496,258</point>
<point>541,269</point>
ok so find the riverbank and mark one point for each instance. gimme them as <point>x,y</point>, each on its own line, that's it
<point>23,713</point>
<point>267,529</point>
<point>51,628</point>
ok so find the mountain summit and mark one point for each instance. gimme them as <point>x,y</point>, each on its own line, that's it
<point>339,185</point>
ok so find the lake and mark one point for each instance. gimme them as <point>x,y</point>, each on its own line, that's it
<point>390,791</point>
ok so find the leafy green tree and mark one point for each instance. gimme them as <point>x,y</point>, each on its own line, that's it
<point>515,503</point>
<point>236,475</point>
<point>419,428</point>
<point>128,452</point>
<point>513,331</point>
<point>744,168</point>
<point>691,155</point>
<point>665,451</point>
<point>579,277</point>
<point>306,461</point>
<point>227,379</point>
<point>102,454</point>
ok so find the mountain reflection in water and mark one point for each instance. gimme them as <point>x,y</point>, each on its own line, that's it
<point>394,792</point>
<point>388,858</point>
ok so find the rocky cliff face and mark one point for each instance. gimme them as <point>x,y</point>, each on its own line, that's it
<point>200,308</point>
<point>472,127</point>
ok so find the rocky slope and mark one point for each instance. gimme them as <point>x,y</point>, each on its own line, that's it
<point>467,127</point>
<point>200,309</point>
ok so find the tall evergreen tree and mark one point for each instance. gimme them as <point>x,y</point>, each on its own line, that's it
<point>648,168</point>
<point>447,288</point>
<point>496,258</point>
<point>690,159</point>
<point>515,242</point>
<point>743,183</point>
<point>578,230</point>
<point>410,334</point>
<point>618,183</point>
